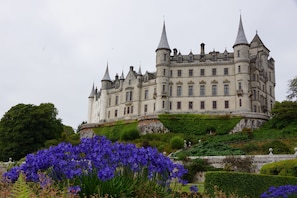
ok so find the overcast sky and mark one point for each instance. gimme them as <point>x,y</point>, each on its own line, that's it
<point>54,50</point>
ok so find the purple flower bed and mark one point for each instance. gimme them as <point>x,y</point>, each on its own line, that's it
<point>288,191</point>
<point>97,155</point>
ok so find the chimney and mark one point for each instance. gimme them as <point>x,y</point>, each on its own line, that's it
<point>202,48</point>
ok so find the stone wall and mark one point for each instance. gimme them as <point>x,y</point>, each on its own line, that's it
<point>152,125</point>
<point>249,123</point>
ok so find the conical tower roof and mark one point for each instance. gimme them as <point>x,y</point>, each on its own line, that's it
<point>163,42</point>
<point>240,39</point>
<point>92,92</point>
<point>106,75</point>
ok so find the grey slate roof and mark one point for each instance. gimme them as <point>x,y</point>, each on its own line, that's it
<point>163,42</point>
<point>106,75</point>
<point>240,39</point>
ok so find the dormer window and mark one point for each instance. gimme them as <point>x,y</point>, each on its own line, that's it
<point>190,58</point>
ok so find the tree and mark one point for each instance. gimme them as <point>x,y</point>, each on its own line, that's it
<point>284,114</point>
<point>292,89</point>
<point>25,128</point>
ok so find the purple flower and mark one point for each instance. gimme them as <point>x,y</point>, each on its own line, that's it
<point>280,191</point>
<point>194,188</point>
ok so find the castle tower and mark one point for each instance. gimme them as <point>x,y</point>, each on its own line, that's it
<point>242,70</point>
<point>105,85</point>
<point>162,64</point>
<point>90,106</point>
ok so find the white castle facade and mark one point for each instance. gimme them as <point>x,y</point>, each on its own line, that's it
<point>239,82</point>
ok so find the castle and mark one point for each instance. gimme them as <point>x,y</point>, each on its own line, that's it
<point>241,82</point>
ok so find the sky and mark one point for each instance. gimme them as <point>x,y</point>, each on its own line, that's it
<point>52,51</point>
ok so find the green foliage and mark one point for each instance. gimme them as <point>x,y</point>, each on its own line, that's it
<point>278,147</point>
<point>284,113</point>
<point>177,142</point>
<point>292,89</point>
<point>113,132</point>
<point>243,184</point>
<point>239,164</point>
<point>283,168</point>
<point>199,124</point>
<point>194,166</point>
<point>129,134</point>
<point>21,189</point>
<point>25,128</point>
<point>209,148</point>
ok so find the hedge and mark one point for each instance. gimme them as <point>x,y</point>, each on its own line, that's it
<point>283,168</point>
<point>243,184</point>
<point>199,124</point>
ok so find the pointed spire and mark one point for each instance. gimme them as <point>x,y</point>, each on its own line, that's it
<point>240,39</point>
<point>122,76</point>
<point>163,42</point>
<point>106,75</point>
<point>92,92</point>
<point>139,71</point>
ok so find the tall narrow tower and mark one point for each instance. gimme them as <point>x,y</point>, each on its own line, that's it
<point>90,107</point>
<point>105,85</point>
<point>162,64</point>
<point>242,70</point>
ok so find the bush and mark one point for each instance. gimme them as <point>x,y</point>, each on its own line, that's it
<point>177,142</point>
<point>283,168</point>
<point>278,147</point>
<point>128,135</point>
<point>243,184</point>
<point>199,124</point>
<point>239,164</point>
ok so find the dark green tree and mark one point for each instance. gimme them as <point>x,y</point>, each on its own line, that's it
<point>25,128</point>
<point>292,92</point>
<point>284,114</point>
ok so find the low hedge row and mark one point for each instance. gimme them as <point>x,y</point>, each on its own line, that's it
<point>283,168</point>
<point>199,124</point>
<point>243,184</point>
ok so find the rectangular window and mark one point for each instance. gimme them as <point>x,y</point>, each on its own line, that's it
<point>170,91</point>
<point>202,72</point>
<point>131,109</point>
<point>117,100</point>
<point>163,89</point>
<point>191,90</point>
<point>165,56</point>
<point>240,103</point>
<point>239,86</point>
<point>178,105</point>
<point>128,110</point>
<point>164,72</point>
<point>226,89</point>
<point>116,113</point>
<point>238,53</point>
<point>179,73</point>
<point>202,105</point>
<point>214,71</point>
<point>154,106</point>
<point>171,73</point>
<point>239,69</point>
<point>214,104</point>
<point>190,72</point>
<point>170,105</point>
<point>163,104</point>
<point>129,96</point>
<point>226,104</point>
<point>145,108</point>
<point>124,110</point>
<point>108,114</point>
<point>179,91</point>
<point>226,71</point>
<point>190,105</point>
<point>109,102</point>
<point>145,94</point>
<point>214,90</point>
<point>202,90</point>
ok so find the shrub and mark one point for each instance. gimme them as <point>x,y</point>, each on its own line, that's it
<point>239,164</point>
<point>278,147</point>
<point>284,168</point>
<point>128,135</point>
<point>243,184</point>
<point>177,142</point>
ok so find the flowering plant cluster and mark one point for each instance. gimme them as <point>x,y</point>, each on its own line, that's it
<point>288,191</point>
<point>98,159</point>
